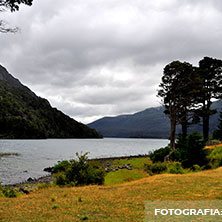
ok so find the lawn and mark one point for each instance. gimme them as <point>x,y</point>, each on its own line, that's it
<point>121,202</point>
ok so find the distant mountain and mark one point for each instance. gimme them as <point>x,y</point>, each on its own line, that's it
<point>150,123</point>
<point>24,115</point>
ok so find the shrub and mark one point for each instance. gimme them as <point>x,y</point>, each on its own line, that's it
<point>55,206</point>
<point>196,168</point>
<point>61,166</point>
<point>175,167</point>
<point>160,154</point>
<point>215,157</point>
<point>79,172</point>
<point>53,198</point>
<point>60,179</point>
<point>156,168</point>
<point>8,192</point>
<point>164,167</point>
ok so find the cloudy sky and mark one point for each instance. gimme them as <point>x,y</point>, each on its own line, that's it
<point>96,58</point>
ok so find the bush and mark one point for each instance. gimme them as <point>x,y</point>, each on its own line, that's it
<point>160,154</point>
<point>62,166</point>
<point>79,172</point>
<point>156,168</point>
<point>164,167</point>
<point>175,167</point>
<point>215,157</point>
<point>196,168</point>
<point>8,192</point>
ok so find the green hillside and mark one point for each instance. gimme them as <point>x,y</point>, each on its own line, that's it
<point>25,115</point>
<point>150,123</point>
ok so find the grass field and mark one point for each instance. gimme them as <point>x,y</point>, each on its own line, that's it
<point>124,175</point>
<point>123,202</point>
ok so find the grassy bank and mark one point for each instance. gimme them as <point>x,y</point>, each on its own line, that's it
<point>123,202</point>
<point>8,154</point>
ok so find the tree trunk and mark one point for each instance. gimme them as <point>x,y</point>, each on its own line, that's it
<point>206,126</point>
<point>172,131</point>
<point>206,119</point>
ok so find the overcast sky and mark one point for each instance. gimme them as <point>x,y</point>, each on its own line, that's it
<point>95,58</point>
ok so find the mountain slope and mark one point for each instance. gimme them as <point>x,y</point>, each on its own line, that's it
<point>25,115</point>
<point>150,123</point>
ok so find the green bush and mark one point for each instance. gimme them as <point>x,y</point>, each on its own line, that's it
<point>164,167</point>
<point>160,154</point>
<point>60,179</point>
<point>156,168</point>
<point>196,168</point>
<point>8,192</point>
<point>61,166</point>
<point>215,157</point>
<point>79,172</point>
<point>175,167</point>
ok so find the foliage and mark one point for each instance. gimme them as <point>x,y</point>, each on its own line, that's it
<point>156,168</point>
<point>190,151</point>
<point>175,167</point>
<point>7,192</point>
<point>24,115</point>
<point>164,167</point>
<point>215,157</point>
<point>61,166</point>
<point>196,168</point>
<point>210,71</point>
<point>79,172</point>
<point>217,134</point>
<point>187,94</point>
<point>55,206</point>
<point>53,198</point>
<point>9,154</point>
<point>177,90</point>
<point>160,154</point>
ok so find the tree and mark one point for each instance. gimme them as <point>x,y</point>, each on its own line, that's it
<point>210,71</point>
<point>176,90</point>
<point>217,134</point>
<point>11,5</point>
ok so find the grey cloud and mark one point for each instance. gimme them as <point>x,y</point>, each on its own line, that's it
<point>96,57</point>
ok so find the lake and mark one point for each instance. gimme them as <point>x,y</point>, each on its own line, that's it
<point>35,155</point>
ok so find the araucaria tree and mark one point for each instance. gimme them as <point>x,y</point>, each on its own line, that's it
<point>11,5</point>
<point>177,91</point>
<point>210,71</point>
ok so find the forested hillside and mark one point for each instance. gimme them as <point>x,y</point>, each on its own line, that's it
<point>25,115</point>
<point>150,123</point>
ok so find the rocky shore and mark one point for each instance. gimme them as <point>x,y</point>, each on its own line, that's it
<point>105,162</point>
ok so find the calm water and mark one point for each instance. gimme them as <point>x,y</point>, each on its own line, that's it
<point>35,155</point>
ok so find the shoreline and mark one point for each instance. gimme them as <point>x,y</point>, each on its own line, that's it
<point>49,178</point>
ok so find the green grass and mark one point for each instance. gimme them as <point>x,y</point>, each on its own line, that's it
<point>8,154</point>
<point>124,175</point>
<point>137,163</point>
